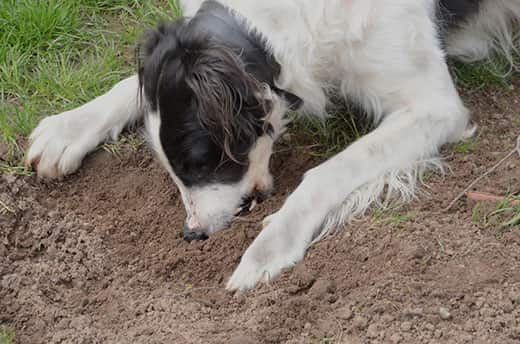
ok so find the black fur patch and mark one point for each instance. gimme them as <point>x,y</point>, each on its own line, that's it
<point>453,12</point>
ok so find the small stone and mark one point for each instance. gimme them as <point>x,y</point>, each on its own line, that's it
<point>444,313</point>
<point>406,326</point>
<point>507,306</point>
<point>345,313</point>
<point>438,333</point>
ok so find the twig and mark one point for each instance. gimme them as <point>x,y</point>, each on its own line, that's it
<point>480,196</point>
<point>510,154</point>
<point>6,207</point>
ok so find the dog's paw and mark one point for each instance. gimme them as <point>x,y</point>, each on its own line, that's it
<point>273,250</point>
<point>59,143</point>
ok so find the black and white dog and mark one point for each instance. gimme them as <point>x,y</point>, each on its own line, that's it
<point>214,89</point>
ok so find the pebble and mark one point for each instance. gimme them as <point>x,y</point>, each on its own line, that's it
<point>345,313</point>
<point>444,313</point>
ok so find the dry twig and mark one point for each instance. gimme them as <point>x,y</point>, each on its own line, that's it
<point>488,172</point>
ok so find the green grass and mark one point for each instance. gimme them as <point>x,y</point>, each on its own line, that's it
<point>480,75</point>
<point>329,137</point>
<point>465,147</point>
<point>503,216</point>
<point>6,335</point>
<point>393,216</point>
<point>131,141</point>
<point>57,54</point>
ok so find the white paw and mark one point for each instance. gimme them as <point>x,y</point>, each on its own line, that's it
<point>274,249</point>
<point>60,142</point>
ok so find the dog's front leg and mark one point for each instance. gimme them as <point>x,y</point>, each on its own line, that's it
<point>60,142</point>
<point>405,137</point>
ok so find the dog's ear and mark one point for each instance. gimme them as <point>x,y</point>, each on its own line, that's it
<point>230,101</point>
<point>157,46</point>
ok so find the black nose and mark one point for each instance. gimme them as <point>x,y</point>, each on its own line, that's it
<point>191,235</point>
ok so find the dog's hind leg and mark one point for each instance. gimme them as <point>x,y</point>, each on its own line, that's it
<point>60,142</point>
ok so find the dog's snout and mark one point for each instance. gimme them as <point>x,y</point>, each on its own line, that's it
<point>193,234</point>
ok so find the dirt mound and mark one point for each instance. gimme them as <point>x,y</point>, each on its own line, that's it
<point>99,258</point>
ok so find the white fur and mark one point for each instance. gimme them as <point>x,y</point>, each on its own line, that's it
<point>60,142</point>
<point>491,30</point>
<point>384,55</point>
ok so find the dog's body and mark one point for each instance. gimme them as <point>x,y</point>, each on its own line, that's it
<point>220,84</point>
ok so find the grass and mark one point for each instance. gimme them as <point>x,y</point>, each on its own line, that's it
<point>393,216</point>
<point>329,137</point>
<point>480,75</point>
<point>465,147</point>
<point>503,216</point>
<point>58,54</point>
<point>6,335</point>
<point>132,141</point>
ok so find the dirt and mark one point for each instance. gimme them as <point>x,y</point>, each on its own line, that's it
<point>99,258</point>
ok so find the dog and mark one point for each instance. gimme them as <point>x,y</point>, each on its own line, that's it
<point>215,86</point>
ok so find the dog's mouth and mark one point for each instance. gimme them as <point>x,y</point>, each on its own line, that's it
<point>249,203</point>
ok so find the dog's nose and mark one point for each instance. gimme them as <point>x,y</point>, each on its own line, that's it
<point>191,234</point>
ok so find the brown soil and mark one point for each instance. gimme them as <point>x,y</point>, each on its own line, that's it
<point>98,258</point>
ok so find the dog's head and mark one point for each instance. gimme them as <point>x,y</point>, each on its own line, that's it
<point>211,123</point>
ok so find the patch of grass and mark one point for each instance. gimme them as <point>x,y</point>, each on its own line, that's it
<point>6,335</point>
<point>130,141</point>
<point>479,75</point>
<point>503,216</point>
<point>330,136</point>
<point>393,216</point>
<point>465,147</point>
<point>58,54</point>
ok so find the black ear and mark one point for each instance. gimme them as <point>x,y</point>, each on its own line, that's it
<point>292,99</point>
<point>227,96</point>
<point>157,46</point>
